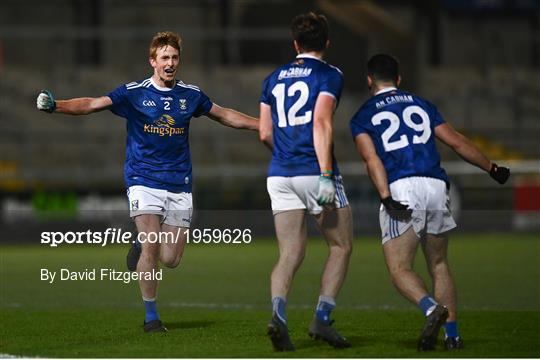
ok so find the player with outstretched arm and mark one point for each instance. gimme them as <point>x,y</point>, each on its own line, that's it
<point>395,133</point>
<point>157,169</point>
<point>296,113</point>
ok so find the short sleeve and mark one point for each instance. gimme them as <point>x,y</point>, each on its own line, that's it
<point>332,83</point>
<point>358,123</point>
<point>437,117</point>
<point>119,100</point>
<point>204,105</point>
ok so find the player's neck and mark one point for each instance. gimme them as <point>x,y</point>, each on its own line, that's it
<point>162,83</point>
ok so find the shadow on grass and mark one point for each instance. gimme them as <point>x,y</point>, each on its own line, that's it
<point>356,342</point>
<point>189,324</point>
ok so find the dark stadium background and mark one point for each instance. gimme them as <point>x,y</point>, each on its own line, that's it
<point>478,61</point>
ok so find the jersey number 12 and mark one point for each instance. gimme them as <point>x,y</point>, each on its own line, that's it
<point>294,119</point>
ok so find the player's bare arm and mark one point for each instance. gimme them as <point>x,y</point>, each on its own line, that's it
<point>83,106</point>
<point>233,118</point>
<point>379,178</point>
<point>470,153</point>
<point>322,131</point>
<point>76,106</point>
<point>462,146</point>
<point>322,143</point>
<point>374,165</point>
<point>265,126</point>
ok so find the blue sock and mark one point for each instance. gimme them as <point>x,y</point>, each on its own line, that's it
<point>151,310</point>
<point>324,307</point>
<point>427,304</point>
<point>450,328</point>
<point>278,308</point>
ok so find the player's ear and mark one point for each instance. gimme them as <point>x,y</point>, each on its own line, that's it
<point>398,82</point>
<point>369,82</point>
<point>152,62</point>
<point>327,45</point>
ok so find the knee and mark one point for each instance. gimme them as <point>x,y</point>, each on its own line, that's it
<point>344,249</point>
<point>439,268</point>
<point>170,261</point>
<point>397,271</point>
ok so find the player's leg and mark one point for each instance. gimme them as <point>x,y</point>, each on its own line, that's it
<point>149,224</point>
<point>336,226</point>
<point>292,236</point>
<point>172,247</point>
<point>175,226</point>
<point>399,254</point>
<point>435,249</point>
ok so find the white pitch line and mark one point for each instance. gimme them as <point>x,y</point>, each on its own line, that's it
<point>9,356</point>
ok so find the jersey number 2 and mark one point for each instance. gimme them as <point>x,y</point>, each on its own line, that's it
<point>294,119</point>
<point>402,142</point>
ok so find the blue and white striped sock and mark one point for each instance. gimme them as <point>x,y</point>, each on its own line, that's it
<point>427,304</point>
<point>278,308</point>
<point>324,307</point>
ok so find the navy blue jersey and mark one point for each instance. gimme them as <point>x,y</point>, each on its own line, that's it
<point>157,149</point>
<point>402,126</point>
<point>291,91</point>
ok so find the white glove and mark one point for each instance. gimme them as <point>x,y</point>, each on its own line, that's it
<point>327,191</point>
<point>45,101</point>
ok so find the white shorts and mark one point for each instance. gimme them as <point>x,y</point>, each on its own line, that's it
<point>428,197</point>
<point>175,209</point>
<point>300,192</point>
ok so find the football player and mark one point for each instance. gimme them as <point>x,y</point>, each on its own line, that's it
<point>296,113</point>
<point>395,133</point>
<point>157,169</point>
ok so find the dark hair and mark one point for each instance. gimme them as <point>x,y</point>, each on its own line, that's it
<point>383,67</point>
<point>310,31</point>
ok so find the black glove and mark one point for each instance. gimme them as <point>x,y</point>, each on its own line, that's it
<point>396,210</point>
<point>499,173</point>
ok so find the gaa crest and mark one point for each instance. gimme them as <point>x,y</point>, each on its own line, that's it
<point>183,104</point>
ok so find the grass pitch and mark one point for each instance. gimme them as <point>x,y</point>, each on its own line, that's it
<point>216,304</point>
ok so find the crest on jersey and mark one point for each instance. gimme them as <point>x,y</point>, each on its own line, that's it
<point>183,104</point>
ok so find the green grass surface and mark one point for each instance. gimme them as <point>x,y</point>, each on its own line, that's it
<point>216,304</point>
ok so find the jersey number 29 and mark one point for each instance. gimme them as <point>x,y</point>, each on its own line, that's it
<point>294,119</point>
<point>423,128</point>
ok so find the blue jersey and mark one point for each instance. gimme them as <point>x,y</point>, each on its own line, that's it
<point>401,126</point>
<point>157,148</point>
<point>291,91</point>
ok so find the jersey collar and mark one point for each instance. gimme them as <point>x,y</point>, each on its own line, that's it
<point>307,56</point>
<point>386,89</point>
<point>160,87</point>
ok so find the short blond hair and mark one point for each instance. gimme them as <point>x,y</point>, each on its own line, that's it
<point>164,38</point>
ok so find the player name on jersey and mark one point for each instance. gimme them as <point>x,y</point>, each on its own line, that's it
<point>294,72</point>
<point>394,99</point>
